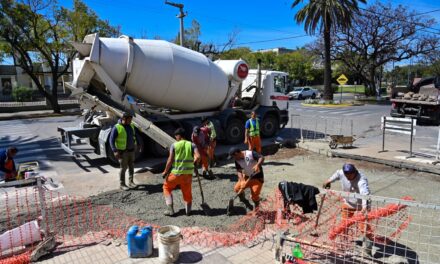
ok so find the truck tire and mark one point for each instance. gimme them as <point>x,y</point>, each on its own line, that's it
<point>313,96</point>
<point>234,131</point>
<point>300,97</point>
<point>269,126</point>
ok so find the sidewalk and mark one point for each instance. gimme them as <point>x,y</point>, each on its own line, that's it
<point>38,106</point>
<point>371,150</point>
<point>100,253</point>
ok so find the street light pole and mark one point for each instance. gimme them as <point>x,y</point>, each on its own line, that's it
<point>181,15</point>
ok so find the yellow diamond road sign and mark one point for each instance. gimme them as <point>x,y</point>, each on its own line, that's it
<point>342,79</point>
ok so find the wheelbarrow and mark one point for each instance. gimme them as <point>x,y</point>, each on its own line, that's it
<point>345,141</point>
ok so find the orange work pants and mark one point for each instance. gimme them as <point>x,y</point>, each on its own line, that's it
<point>204,159</point>
<point>254,143</point>
<point>254,184</point>
<point>184,180</point>
<point>348,212</point>
<point>211,149</point>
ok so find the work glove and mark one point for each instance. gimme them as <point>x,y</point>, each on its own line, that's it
<point>326,185</point>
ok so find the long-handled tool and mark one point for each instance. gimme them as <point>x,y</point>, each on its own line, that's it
<point>314,233</point>
<point>205,207</point>
<point>231,201</point>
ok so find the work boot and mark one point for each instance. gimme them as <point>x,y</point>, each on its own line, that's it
<point>169,211</point>
<point>245,201</point>
<point>188,209</point>
<point>131,183</point>
<point>124,187</point>
<point>211,174</point>
<point>205,174</point>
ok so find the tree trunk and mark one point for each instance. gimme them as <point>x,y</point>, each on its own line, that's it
<point>53,101</point>
<point>328,91</point>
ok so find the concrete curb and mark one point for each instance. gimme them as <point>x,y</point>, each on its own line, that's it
<point>396,164</point>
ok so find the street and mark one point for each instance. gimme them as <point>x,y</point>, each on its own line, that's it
<point>38,139</point>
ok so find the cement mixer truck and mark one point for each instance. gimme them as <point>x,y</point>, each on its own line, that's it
<point>167,86</point>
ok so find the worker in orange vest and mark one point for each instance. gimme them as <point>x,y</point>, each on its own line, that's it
<point>252,133</point>
<point>7,164</point>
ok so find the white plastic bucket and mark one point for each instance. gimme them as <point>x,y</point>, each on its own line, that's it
<point>23,235</point>
<point>168,238</point>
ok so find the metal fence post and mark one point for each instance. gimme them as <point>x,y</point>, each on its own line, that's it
<point>438,145</point>
<point>351,125</point>
<point>316,128</point>
<point>43,207</point>
<point>411,139</point>
<point>384,118</point>
<point>325,127</point>
<point>340,129</point>
<point>300,128</point>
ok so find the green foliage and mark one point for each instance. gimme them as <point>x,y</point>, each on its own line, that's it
<point>39,31</point>
<point>324,16</point>
<point>299,63</point>
<point>22,94</point>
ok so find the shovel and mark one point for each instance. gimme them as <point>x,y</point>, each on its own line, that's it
<point>205,207</point>
<point>231,201</point>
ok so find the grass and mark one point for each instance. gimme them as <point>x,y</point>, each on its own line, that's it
<point>351,89</point>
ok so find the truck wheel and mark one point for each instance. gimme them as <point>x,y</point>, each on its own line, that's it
<point>313,96</point>
<point>269,126</point>
<point>234,132</point>
<point>300,97</point>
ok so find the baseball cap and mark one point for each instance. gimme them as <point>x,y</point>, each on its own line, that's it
<point>232,151</point>
<point>180,131</point>
<point>348,168</point>
<point>127,114</point>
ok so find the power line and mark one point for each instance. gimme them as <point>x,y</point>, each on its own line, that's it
<point>267,40</point>
<point>401,20</point>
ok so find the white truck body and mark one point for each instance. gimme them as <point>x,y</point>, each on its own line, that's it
<point>166,86</point>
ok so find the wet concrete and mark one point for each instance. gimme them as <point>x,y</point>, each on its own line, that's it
<point>147,203</point>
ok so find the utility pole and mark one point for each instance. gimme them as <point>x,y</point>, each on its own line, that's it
<point>181,15</point>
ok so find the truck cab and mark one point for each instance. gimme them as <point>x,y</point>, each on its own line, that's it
<point>271,102</point>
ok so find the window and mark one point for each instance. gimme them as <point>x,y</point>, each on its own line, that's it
<point>279,84</point>
<point>306,89</point>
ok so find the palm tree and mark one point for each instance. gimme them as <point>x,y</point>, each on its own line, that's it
<point>326,15</point>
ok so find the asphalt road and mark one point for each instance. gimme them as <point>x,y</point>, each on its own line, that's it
<point>366,120</point>
<point>37,139</point>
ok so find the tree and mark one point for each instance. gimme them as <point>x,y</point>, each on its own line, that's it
<point>192,41</point>
<point>325,16</point>
<point>380,35</point>
<point>38,33</point>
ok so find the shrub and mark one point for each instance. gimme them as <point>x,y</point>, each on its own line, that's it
<point>22,94</point>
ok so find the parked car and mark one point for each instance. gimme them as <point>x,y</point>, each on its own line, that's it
<point>303,93</point>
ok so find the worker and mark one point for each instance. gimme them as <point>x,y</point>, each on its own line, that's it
<point>200,137</point>
<point>355,182</point>
<point>252,133</point>
<point>178,171</point>
<point>248,163</point>
<point>123,145</point>
<point>212,140</point>
<point>8,171</point>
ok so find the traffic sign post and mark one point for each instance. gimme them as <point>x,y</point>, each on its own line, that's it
<point>342,80</point>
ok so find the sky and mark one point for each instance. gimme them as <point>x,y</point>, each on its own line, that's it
<point>255,21</point>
